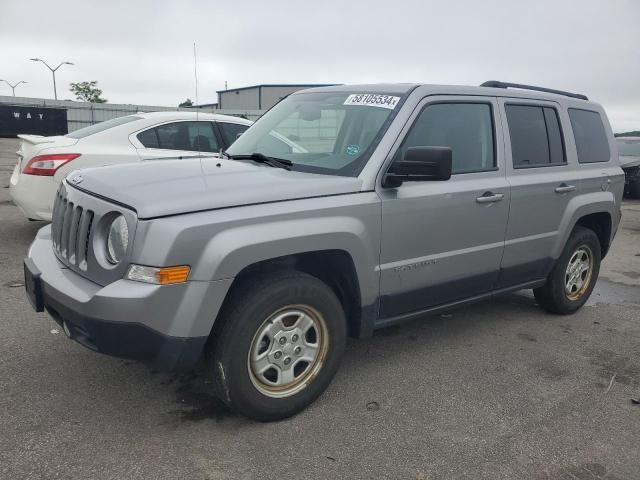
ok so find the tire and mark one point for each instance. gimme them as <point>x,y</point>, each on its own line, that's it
<point>259,315</point>
<point>562,293</point>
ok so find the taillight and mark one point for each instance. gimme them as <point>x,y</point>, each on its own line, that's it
<point>47,165</point>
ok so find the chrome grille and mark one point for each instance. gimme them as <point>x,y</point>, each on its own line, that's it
<point>71,231</point>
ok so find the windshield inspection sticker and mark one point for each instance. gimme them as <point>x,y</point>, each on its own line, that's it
<point>372,100</point>
<point>353,149</point>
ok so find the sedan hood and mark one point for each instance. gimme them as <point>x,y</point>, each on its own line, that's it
<point>170,187</point>
<point>627,161</point>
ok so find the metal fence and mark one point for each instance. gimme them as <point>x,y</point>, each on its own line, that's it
<point>82,114</point>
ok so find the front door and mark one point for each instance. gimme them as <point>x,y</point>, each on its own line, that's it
<point>442,241</point>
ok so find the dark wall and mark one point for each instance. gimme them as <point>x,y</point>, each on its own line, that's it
<point>16,119</point>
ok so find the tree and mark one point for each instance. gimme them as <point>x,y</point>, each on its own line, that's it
<point>87,92</point>
<point>186,103</point>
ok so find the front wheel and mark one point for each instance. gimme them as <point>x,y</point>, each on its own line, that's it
<point>279,345</point>
<point>574,276</point>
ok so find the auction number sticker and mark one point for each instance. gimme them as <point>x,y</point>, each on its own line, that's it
<point>372,100</point>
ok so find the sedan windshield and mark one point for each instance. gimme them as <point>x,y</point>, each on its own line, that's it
<point>328,132</point>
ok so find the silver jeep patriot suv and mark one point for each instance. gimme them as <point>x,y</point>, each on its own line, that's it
<point>342,210</point>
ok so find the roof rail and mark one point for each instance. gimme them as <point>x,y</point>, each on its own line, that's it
<point>498,84</point>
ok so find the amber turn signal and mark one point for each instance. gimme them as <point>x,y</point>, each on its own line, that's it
<point>158,275</point>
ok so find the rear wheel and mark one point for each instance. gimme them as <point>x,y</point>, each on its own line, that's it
<point>574,276</point>
<point>280,343</point>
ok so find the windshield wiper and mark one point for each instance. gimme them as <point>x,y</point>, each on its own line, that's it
<point>260,158</point>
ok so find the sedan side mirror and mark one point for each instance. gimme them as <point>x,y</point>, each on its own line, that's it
<point>420,164</point>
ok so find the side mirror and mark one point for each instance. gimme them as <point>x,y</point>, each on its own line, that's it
<point>420,164</point>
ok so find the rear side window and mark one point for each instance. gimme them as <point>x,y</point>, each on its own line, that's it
<point>189,136</point>
<point>591,139</point>
<point>536,136</point>
<point>467,128</point>
<point>232,131</point>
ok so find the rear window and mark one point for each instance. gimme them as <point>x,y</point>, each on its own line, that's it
<point>102,126</point>
<point>536,137</point>
<point>591,139</point>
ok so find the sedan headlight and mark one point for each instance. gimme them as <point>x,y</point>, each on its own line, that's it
<point>117,240</point>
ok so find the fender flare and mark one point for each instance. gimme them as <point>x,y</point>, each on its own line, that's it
<point>581,206</point>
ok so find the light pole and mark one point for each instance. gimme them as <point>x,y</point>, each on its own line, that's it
<point>53,72</point>
<point>13,87</point>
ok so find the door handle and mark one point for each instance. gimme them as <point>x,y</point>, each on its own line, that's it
<point>564,188</point>
<point>490,197</point>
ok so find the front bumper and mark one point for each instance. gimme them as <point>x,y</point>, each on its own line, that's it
<point>165,326</point>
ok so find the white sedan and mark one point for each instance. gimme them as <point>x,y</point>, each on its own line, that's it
<point>43,162</point>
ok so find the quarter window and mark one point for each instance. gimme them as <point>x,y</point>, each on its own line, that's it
<point>188,136</point>
<point>591,139</point>
<point>536,136</point>
<point>467,128</point>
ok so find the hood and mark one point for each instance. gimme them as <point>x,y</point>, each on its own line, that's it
<point>170,187</point>
<point>627,161</point>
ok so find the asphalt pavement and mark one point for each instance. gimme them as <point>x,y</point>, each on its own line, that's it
<point>499,390</point>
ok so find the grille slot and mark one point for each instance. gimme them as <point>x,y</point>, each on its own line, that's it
<point>84,234</point>
<point>71,231</point>
<point>66,227</point>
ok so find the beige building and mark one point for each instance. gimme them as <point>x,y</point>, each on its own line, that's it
<point>257,97</point>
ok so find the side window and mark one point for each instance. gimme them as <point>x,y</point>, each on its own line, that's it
<point>232,131</point>
<point>467,128</point>
<point>591,139</point>
<point>536,136</point>
<point>189,136</point>
<point>149,138</point>
<point>202,137</point>
<point>172,136</point>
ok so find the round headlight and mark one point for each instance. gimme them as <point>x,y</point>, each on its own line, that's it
<point>117,240</point>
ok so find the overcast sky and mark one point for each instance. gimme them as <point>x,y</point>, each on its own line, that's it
<point>142,51</point>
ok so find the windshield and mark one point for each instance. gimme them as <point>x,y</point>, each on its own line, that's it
<point>629,147</point>
<point>328,132</point>
<point>102,126</point>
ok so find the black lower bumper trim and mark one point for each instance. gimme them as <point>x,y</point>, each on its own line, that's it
<point>128,340</point>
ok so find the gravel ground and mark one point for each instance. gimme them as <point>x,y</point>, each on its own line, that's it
<point>499,390</point>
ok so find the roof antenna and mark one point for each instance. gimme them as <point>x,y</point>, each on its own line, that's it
<point>195,76</point>
<point>195,71</point>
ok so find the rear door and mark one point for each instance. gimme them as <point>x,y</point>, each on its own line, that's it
<point>543,181</point>
<point>182,139</point>
<point>443,241</point>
